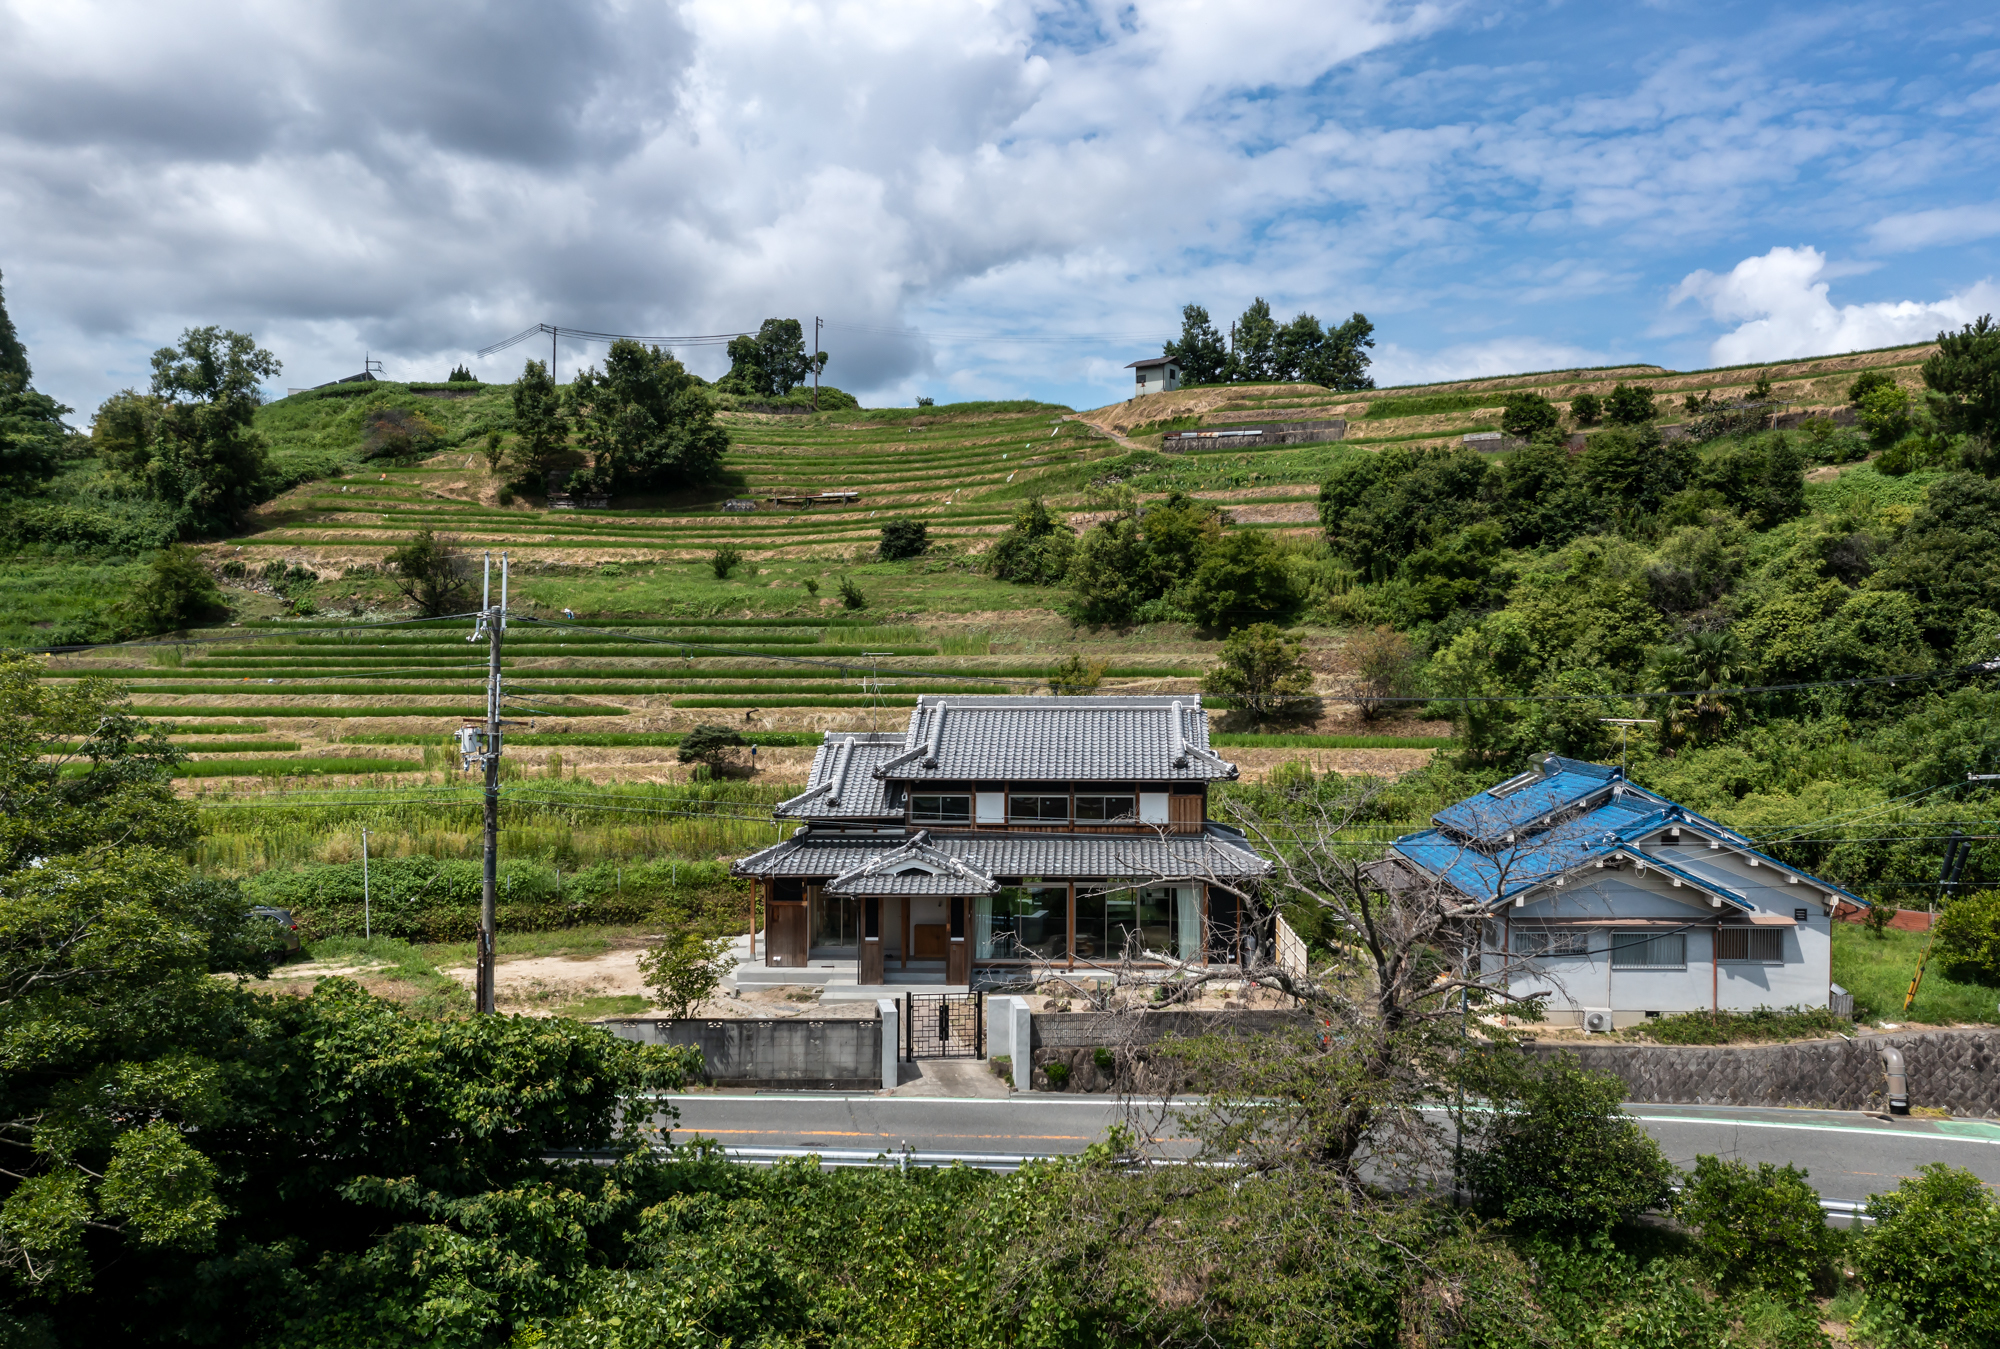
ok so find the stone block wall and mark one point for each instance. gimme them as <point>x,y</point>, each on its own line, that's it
<point>1957,1071</point>
<point>775,1052</point>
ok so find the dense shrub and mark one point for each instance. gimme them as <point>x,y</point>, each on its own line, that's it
<point>1968,937</point>
<point>904,539</point>
<point>1035,550</point>
<point>1758,1227</point>
<point>1932,1262</point>
<point>1528,415</point>
<point>1629,405</point>
<point>1562,1156</point>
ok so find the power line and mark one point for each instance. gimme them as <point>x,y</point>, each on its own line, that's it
<point>589,335</point>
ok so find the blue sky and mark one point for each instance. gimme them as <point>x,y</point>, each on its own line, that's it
<point>1498,187</point>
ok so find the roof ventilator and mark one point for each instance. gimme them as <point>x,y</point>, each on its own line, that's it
<point>937,729</point>
<point>841,754</point>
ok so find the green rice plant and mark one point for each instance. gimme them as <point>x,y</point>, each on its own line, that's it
<point>213,728</point>
<point>796,702</point>
<point>1429,404</point>
<point>288,768</point>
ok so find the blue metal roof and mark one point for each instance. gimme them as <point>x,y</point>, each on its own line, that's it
<point>1469,846</point>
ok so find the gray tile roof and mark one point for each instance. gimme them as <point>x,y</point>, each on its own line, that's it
<point>1216,851</point>
<point>1135,739</point>
<point>916,868</point>
<point>862,795</point>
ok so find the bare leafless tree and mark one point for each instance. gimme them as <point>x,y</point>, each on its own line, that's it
<point>1398,1008</point>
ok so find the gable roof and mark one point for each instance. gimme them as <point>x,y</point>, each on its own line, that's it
<point>916,868</point>
<point>1153,360</point>
<point>1563,816</point>
<point>1217,851</point>
<point>843,783</point>
<point>1130,739</point>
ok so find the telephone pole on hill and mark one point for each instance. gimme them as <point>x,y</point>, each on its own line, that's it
<point>481,745</point>
<point>816,361</point>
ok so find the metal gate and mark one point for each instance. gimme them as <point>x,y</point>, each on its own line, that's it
<point>944,1026</point>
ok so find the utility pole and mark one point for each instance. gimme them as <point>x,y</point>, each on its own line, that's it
<point>367,926</point>
<point>816,365</point>
<point>481,745</point>
<point>552,358</point>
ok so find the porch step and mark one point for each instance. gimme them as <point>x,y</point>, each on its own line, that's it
<point>746,976</point>
<point>870,992</point>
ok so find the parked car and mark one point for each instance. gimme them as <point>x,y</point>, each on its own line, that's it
<point>288,927</point>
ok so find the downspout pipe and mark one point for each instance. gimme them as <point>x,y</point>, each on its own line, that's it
<point>1898,1082</point>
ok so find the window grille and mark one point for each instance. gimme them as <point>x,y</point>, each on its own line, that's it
<point>1750,943</point>
<point>1644,951</point>
<point>1532,943</point>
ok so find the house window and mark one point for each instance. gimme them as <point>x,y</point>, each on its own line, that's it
<point>1754,944</point>
<point>1529,942</point>
<point>1039,809</point>
<point>941,807</point>
<point>1644,951</point>
<point>1103,804</point>
<point>1022,922</point>
<point>1159,918</point>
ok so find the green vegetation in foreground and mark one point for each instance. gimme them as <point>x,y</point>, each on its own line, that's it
<point>1723,1028</point>
<point>1878,974</point>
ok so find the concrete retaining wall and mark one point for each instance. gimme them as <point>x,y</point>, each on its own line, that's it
<point>1074,1039</point>
<point>811,1055</point>
<point>1957,1071</point>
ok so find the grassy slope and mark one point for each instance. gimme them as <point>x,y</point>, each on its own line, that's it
<point>1878,974</point>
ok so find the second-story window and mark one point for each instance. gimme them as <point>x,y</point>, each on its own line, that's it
<point>1038,809</point>
<point>935,807</point>
<point>1100,805</point>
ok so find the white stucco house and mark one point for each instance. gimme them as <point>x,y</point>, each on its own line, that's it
<point>1622,905</point>
<point>1156,374</point>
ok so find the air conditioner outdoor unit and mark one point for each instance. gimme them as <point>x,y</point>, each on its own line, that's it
<point>1596,1019</point>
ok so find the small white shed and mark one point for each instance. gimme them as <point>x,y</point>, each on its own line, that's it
<point>1156,374</point>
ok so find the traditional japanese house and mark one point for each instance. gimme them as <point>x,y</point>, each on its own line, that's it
<point>1621,905</point>
<point>1001,834</point>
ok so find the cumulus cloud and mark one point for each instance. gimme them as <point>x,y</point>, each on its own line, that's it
<point>1784,310</point>
<point>419,181</point>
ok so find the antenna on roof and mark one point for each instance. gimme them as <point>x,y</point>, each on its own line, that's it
<point>1624,724</point>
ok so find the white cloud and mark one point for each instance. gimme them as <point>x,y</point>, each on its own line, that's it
<point>1785,311</point>
<point>1943,225</point>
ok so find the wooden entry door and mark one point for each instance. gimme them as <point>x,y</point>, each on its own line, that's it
<point>870,968</point>
<point>786,936</point>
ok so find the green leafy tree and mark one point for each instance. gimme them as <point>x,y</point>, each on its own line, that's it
<point>1929,1262</point>
<point>1201,354</point>
<point>202,459</point>
<point>1948,558</point>
<point>32,435</point>
<point>1074,676</point>
<point>1263,669</point>
<point>122,431</point>
<point>645,423</point>
<point>431,574</point>
<point>1758,1227</point>
<point>1541,499</point>
<point>1587,409</point>
<point>710,745</point>
<point>1968,936</point>
<point>683,972</point>
<point>772,363</point>
<point>1342,361</point>
<point>1884,413</point>
<point>1108,574</point>
<point>904,538</point>
<point>461,375</point>
<point>1964,373</point>
<point>1253,345</point>
<point>1243,579</point>
<point>1036,548</point>
<point>13,352</point>
<point>1867,382</point>
<point>1560,1155</point>
<point>1629,405</point>
<point>1384,667</point>
<point>541,440</point>
<point>1528,415</point>
<point>851,594</point>
<point>178,592</point>
<point>1635,472</point>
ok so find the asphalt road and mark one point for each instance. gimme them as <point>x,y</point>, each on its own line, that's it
<point>1849,1156</point>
